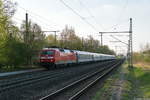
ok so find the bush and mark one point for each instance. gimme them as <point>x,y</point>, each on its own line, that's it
<point>13,53</point>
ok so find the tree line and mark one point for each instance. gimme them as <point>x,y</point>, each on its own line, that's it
<point>69,39</point>
<point>19,48</point>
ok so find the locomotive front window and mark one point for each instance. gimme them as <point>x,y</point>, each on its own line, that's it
<point>47,53</point>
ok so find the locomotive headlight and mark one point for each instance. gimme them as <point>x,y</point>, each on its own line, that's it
<point>50,57</point>
<point>42,57</point>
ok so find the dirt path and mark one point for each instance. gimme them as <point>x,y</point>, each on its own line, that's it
<point>118,87</point>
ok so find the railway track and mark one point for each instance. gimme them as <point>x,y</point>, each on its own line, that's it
<point>30,80</point>
<point>83,91</point>
<point>74,90</point>
<point>7,85</point>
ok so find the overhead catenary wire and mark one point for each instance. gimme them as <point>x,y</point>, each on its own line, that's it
<point>17,18</point>
<point>122,12</point>
<point>91,14</point>
<point>120,15</point>
<point>39,16</point>
<point>20,21</point>
<point>75,12</point>
<point>122,24</point>
<point>119,40</point>
<point>43,18</point>
<point>39,19</point>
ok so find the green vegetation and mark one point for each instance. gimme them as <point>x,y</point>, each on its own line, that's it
<point>129,87</point>
<point>14,50</point>
<point>106,91</point>
<point>142,58</point>
<point>136,80</point>
<point>19,47</point>
<point>135,84</point>
<point>143,78</point>
<point>68,39</point>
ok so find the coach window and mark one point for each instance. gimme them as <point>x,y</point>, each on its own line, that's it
<point>61,50</point>
<point>71,51</point>
<point>47,52</point>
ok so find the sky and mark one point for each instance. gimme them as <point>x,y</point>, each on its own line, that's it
<point>89,17</point>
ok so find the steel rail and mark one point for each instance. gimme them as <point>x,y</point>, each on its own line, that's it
<point>8,86</point>
<point>57,92</point>
<point>78,94</point>
<point>14,84</point>
<point>30,78</point>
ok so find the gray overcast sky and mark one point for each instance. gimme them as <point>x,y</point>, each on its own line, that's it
<point>104,15</point>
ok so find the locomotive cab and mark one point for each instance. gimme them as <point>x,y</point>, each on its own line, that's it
<point>47,58</point>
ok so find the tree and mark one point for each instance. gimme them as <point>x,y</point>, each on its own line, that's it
<point>35,40</point>
<point>50,40</point>
<point>7,10</point>
<point>13,50</point>
<point>14,53</point>
<point>7,30</point>
<point>69,39</point>
<point>105,50</point>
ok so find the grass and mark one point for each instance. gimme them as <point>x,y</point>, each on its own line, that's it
<point>104,93</point>
<point>144,66</point>
<point>143,78</point>
<point>136,83</point>
<point>129,87</point>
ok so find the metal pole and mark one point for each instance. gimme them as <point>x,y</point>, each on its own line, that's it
<point>27,39</point>
<point>82,43</point>
<point>128,53</point>
<point>131,48</point>
<point>55,37</point>
<point>130,45</point>
<point>101,39</point>
<point>109,33</point>
<point>27,30</point>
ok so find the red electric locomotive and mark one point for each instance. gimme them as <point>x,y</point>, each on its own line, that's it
<point>52,57</point>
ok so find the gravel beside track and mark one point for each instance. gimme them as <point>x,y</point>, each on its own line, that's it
<point>84,90</point>
<point>69,91</point>
<point>4,75</point>
<point>45,82</point>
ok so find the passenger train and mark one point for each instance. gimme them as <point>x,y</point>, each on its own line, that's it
<point>53,57</point>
